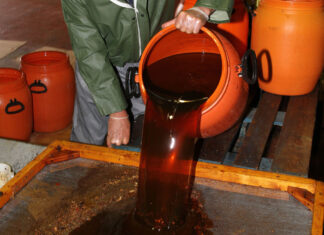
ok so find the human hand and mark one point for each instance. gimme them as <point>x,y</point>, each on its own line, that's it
<point>191,20</point>
<point>118,129</point>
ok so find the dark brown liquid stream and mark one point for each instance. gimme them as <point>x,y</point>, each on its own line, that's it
<point>176,86</point>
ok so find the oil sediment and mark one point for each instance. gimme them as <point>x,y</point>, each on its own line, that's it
<point>118,221</point>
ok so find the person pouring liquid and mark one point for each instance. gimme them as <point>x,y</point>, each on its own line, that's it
<point>108,38</point>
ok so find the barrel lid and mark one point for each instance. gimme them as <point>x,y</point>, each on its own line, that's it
<point>11,79</point>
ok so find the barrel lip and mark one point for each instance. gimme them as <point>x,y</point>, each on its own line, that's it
<point>59,59</point>
<point>295,4</point>
<point>223,81</point>
<point>17,79</point>
<point>219,91</point>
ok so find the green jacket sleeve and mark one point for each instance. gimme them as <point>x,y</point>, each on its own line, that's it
<point>91,54</point>
<point>223,9</point>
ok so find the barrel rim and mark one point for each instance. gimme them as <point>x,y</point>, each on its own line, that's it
<point>223,81</point>
<point>18,79</point>
<point>26,60</point>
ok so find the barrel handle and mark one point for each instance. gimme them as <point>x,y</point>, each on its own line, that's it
<point>132,87</point>
<point>248,69</point>
<point>13,103</point>
<point>38,84</point>
<point>251,9</point>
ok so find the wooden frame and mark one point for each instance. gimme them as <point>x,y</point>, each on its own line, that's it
<point>307,191</point>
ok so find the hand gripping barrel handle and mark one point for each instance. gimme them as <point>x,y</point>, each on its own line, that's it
<point>248,69</point>
<point>13,103</point>
<point>38,84</point>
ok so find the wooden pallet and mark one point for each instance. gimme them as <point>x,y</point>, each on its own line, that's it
<point>307,191</point>
<point>275,136</point>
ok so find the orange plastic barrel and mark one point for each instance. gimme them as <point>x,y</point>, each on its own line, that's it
<point>188,4</point>
<point>51,80</point>
<point>16,114</point>
<point>288,38</point>
<point>237,30</point>
<point>226,104</point>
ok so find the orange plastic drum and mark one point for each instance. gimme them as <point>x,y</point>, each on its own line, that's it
<point>16,112</point>
<point>188,4</point>
<point>237,30</point>
<point>288,38</point>
<point>226,104</point>
<point>51,80</point>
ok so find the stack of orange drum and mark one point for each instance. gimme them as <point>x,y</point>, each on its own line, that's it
<point>16,114</point>
<point>51,81</point>
<point>38,97</point>
<point>288,38</point>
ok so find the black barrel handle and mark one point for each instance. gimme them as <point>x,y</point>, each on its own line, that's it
<point>132,88</point>
<point>13,103</point>
<point>38,84</point>
<point>250,8</point>
<point>248,69</point>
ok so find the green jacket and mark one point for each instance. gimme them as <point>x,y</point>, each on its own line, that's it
<point>108,33</point>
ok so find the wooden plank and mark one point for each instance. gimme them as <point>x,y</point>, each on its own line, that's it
<point>99,153</point>
<point>318,215</point>
<point>269,151</point>
<point>59,155</point>
<point>253,177</point>
<point>305,197</point>
<point>215,148</point>
<point>295,141</point>
<point>254,143</point>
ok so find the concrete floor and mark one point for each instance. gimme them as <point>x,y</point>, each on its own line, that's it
<point>40,23</point>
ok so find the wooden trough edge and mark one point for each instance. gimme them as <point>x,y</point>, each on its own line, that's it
<point>63,150</point>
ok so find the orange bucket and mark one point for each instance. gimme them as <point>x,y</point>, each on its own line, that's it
<point>16,112</point>
<point>51,80</point>
<point>237,30</point>
<point>225,106</point>
<point>288,38</point>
